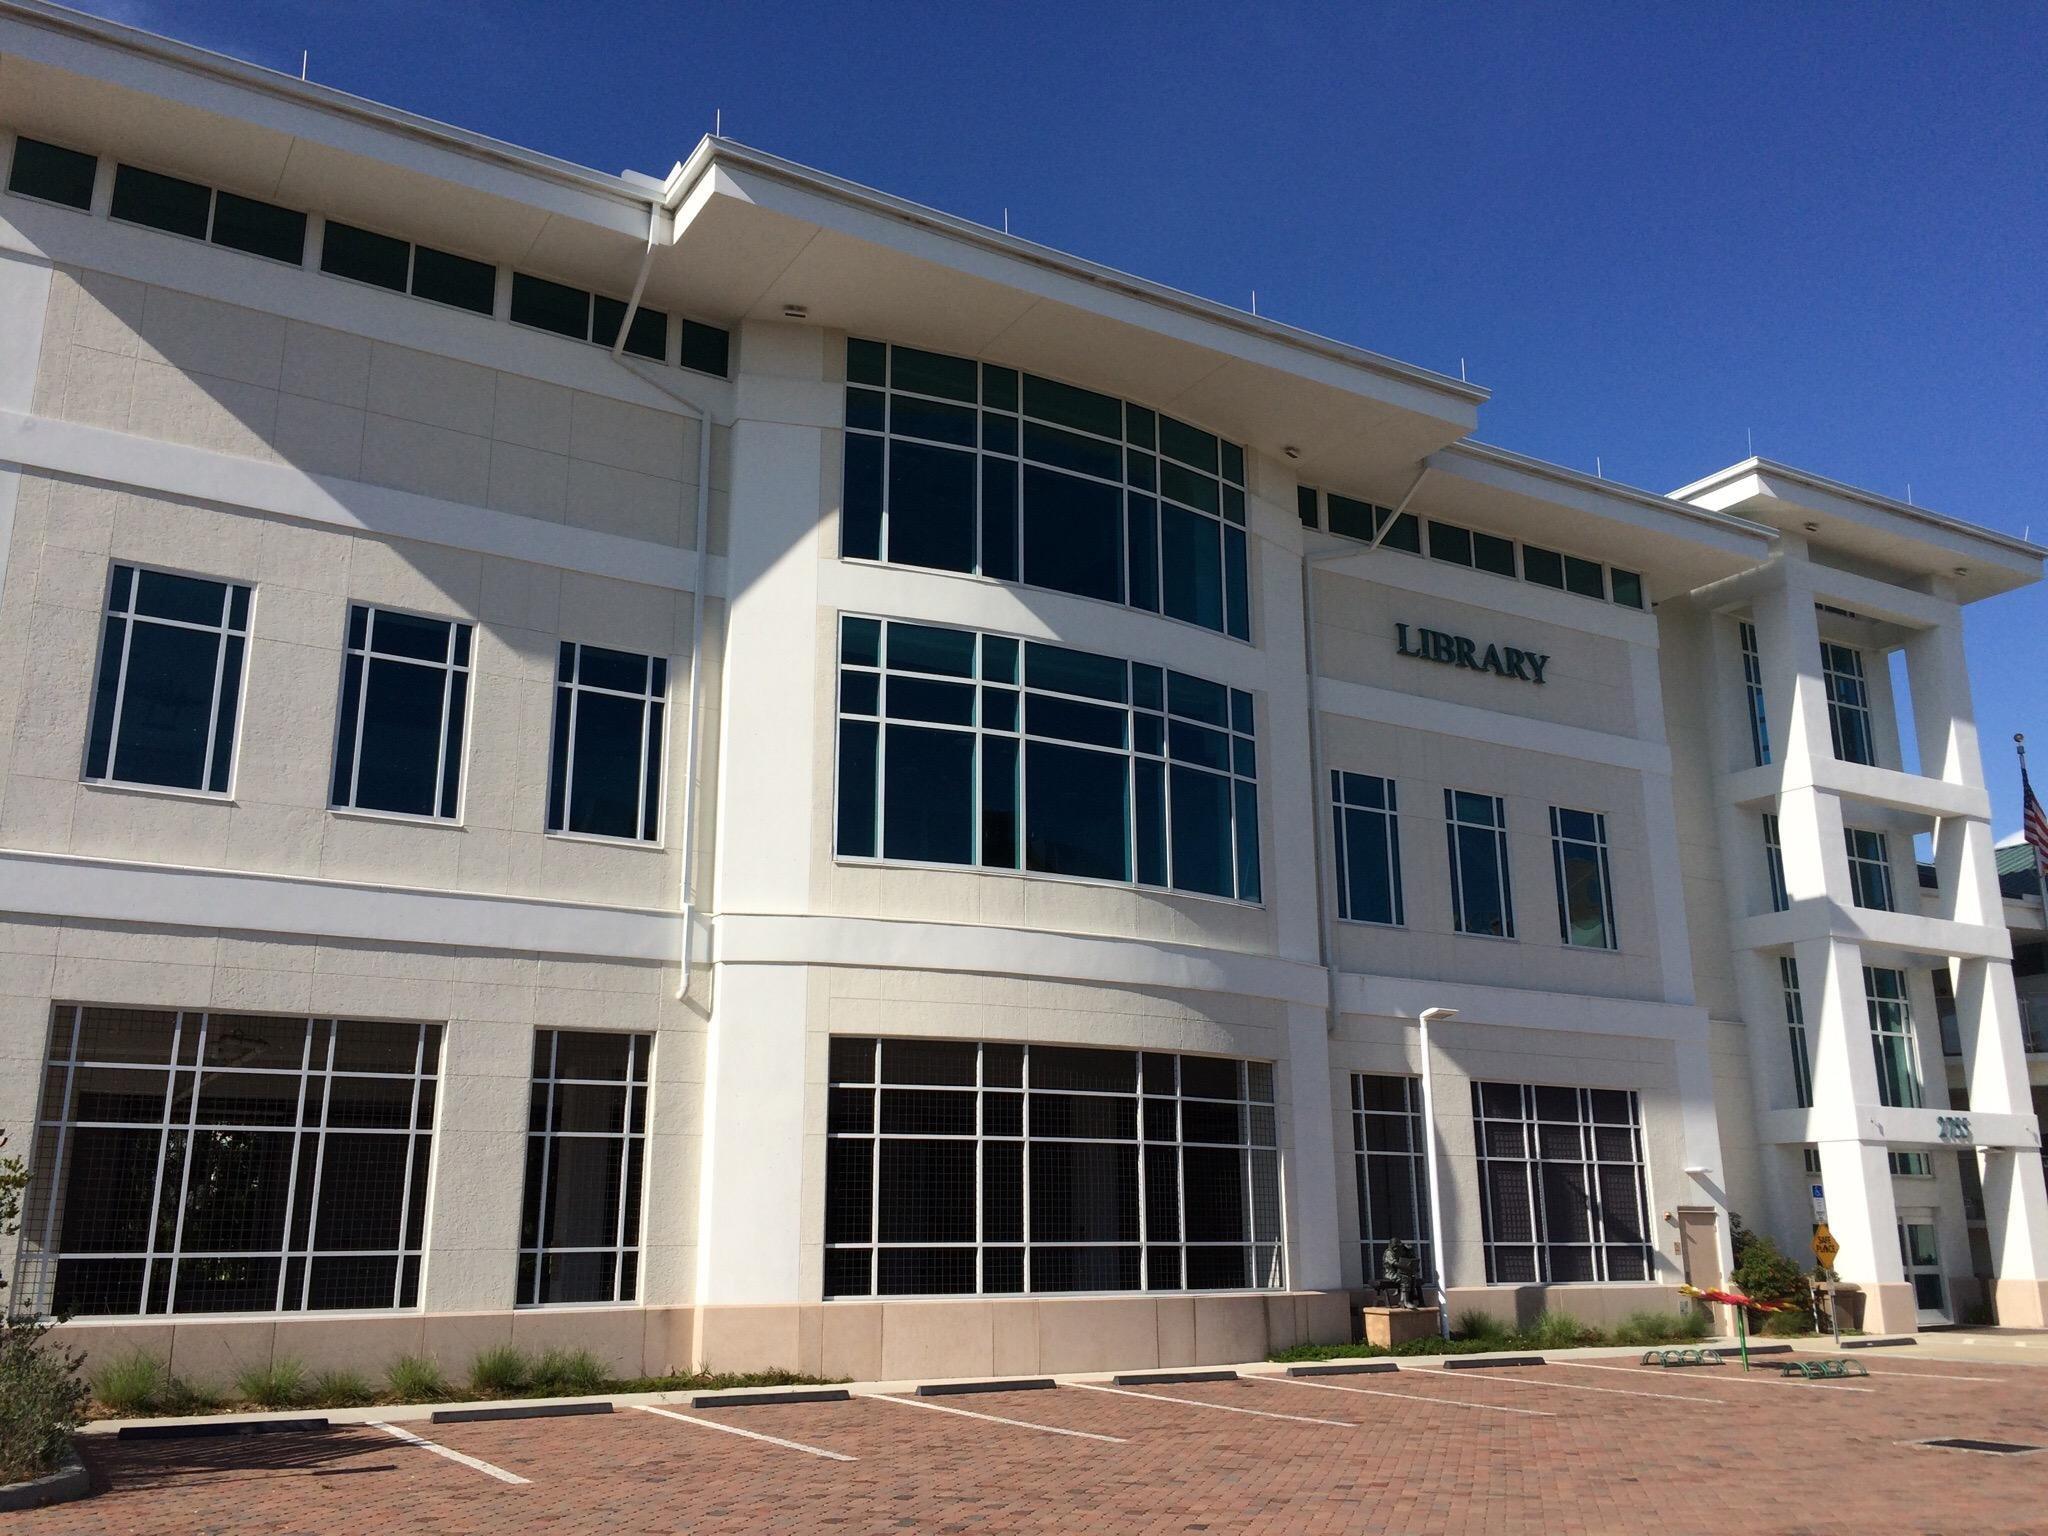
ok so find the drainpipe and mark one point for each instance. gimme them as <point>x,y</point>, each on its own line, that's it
<point>686,842</point>
<point>1436,1204</point>
<point>1399,507</point>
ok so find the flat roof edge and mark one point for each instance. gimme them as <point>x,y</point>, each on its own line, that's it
<point>1507,458</point>
<point>713,152</point>
<point>324,98</point>
<point>1905,509</point>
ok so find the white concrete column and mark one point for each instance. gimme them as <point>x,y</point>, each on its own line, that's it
<point>1788,651</point>
<point>1310,1167</point>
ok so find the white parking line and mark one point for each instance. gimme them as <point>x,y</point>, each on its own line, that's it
<point>1196,1402</point>
<point>1734,1376</point>
<point>748,1434</point>
<point>453,1455</point>
<point>996,1418</point>
<point>1936,1376</point>
<point>1563,1386</point>
<point>1412,1397</point>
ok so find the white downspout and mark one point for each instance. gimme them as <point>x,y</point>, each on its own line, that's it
<point>686,843</point>
<point>1436,1203</point>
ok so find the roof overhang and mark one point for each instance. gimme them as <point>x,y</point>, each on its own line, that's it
<point>757,233</point>
<point>1674,546</point>
<point>1973,562</point>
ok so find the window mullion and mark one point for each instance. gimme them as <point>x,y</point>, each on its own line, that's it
<point>51,1243</point>
<point>292,1178</point>
<point>319,1163</point>
<point>191,1156</point>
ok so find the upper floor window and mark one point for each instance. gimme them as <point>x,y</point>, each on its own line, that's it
<point>585,316</point>
<point>1891,1037</point>
<point>404,696</point>
<point>1753,694</point>
<point>181,207</point>
<point>1477,826</point>
<point>170,681</point>
<point>1454,544</point>
<point>1795,1027</point>
<point>52,173</point>
<point>1585,886</point>
<point>1774,865</point>
<point>384,261</point>
<point>1870,869</point>
<point>1848,703</point>
<point>959,466</point>
<point>604,770</point>
<point>964,748</point>
<point>1368,849</point>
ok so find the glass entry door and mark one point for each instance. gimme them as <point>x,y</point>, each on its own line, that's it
<point>1921,1256</point>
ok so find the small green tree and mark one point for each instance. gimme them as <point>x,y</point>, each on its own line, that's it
<point>42,1399</point>
<point>1762,1273</point>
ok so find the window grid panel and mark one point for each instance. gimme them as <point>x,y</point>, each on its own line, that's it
<point>1774,865</point>
<point>1172,737</point>
<point>1585,883</point>
<point>1795,1025</point>
<point>1482,898</point>
<point>1387,1140</point>
<point>570,689</point>
<point>229,1144</point>
<point>218,676</point>
<point>361,657</point>
<point>1891,1038</point>
<point>1848,703</point>
<point>1870,868</point>
<point>623,1193</point>
<point>1753,692</point>
<point>1050,1244</point>
<point>981,428</point>
<point>1538,1144</point>
<point>1366,820</point>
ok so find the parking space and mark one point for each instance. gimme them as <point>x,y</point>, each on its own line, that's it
<point>1595,1445</point>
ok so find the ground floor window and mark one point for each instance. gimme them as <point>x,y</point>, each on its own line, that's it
<point>1561,1183</point>
<point>961,1168</point>
<point>214,1162</point>
<point>1393,1177</point>
<point>579,1227</point>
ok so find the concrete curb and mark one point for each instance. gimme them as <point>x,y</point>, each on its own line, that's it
<point>208,1429</point>
<point>550,1410</point>
<point>70,1481</point>
<point>1169,1378</point>
<point>747,1396</point>
<point>1487,1362</point>
<point>962,1388</point>
<point>1898,1343</point>
<point>1346,1368</point>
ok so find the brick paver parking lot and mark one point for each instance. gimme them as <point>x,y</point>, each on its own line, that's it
<point>1589,1447</point>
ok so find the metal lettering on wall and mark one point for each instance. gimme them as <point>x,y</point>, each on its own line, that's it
<point>1459,651</point>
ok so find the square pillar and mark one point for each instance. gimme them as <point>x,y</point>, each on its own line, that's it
<point>2015,1196</point>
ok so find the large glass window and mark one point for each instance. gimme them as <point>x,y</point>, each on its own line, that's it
<point>1368,848</point>
<point>1561,1184</point>
<point>1848,703</point>
<point>1795,1027</point>
<point>170,681</point>
<point>1753,695</point>
<point>1891,1037</point>
<point>1585,887</point>
<point>217,1162</point>
<point>404,692</point>
<point>956,1168</point>
<point>960,466</point>
<point>604,774</point>
<point>963,748</point>
<point>51,172</point>
<point>1477,829</point>
<point>426,273</point>
<point>1870,868</point>
<point>1393,1173</point>
<point>181,207</point>
<point>586,1149</point>
<point>1774,865</point>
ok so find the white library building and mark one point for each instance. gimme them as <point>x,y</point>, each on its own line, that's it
<point>729,770</point>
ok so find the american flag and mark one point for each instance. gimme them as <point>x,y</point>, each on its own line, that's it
<point>2036,823</point>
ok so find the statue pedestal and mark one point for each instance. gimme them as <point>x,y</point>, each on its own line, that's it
<point>1389,1326</point>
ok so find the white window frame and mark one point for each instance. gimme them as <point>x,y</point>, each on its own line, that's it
<point>450,668</point>
<point>1382,843</point>
<point>626,1243</point>
<point>1870,868</point>
<point>1415,1165</point>
<point>654,721</point>
<point>1795,1027</point>
<point>224,631</point>
<point>1497,829</point>
<point>1530,1123</point>
<point>1774,865</point>
<point>1562,842</point>
<point>1891,1028</point>
<point>1753,693</point>
<point>1848,694</point>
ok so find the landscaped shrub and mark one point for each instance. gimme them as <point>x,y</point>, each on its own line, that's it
<point>340,1389</point>
<point>1787,1325</point>
<point>41,1396</point>
<point>1663,1327</point>
<point>180,1396</point>
<point>130,1383</point>
<point>1762,1273</point>
<point>280,1384</point>
<point>1477,1325</point>
<point>567,1373</point>
<point>499,1370</point>
<point>415,1379</point>
<point>1559,1330</point>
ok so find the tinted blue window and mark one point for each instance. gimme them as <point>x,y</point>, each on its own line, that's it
<point>1076,813</point>
<point>1073,535</point>
<point>928,796</point>
<point>1192,561</point>
<point>1202,843</point>
<point>931,507</point>
<point>170,673</point>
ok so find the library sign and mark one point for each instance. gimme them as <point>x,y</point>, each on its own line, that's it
<point>1462,651</point>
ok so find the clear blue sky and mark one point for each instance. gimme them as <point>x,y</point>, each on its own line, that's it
<point>1649,234</point>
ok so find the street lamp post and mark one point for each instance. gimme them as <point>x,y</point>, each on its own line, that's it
<point>1436,1205</point>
